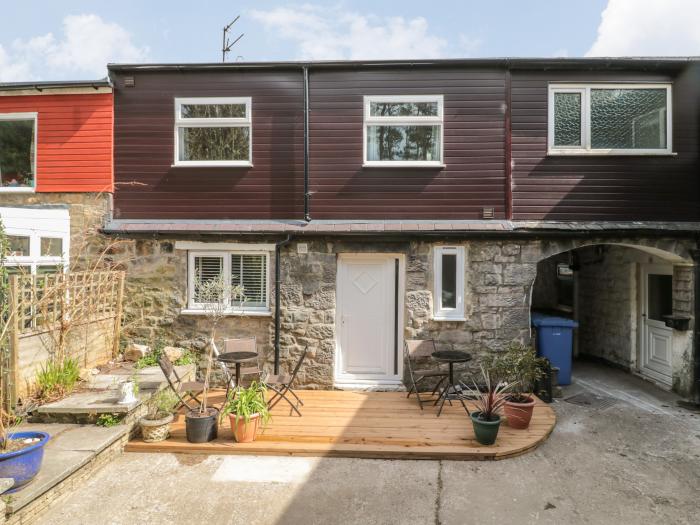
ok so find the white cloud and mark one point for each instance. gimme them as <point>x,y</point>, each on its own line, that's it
<point>332,33</point>
<point>648,28</point>
<point>84,48</point>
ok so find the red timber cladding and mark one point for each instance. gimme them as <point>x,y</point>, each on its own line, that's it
<point>74,140</point>
<point>148,187</point>
<point>473,146</point>
<point>605,188</point>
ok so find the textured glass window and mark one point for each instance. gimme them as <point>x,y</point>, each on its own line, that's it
<point>567,119</point>
<point>18,246</point>
<point>628,118</point>
<point>213,110</point>
<point>229,143</point>
<point>449,280</point>
<point>51,247</point>
<point>17,153</point>
<point>403,143</point>
<point>403,109</point>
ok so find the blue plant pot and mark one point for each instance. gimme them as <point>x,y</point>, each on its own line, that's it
<point>24,464</point>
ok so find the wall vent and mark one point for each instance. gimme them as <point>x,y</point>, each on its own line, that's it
<point>129,82</point>
<point>487,213</point>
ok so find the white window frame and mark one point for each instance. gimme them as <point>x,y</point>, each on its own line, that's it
<point>35,224</point>
<point>448,314</point>
<point>196,308</point>
<point>24,116</point>
<point>369,120</point>
<point>585,147</point>
<point>238,122</point>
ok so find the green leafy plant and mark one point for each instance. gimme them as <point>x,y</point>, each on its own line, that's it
<point>519,365</point>
<point>161,404</point>
<point>108,420</point>
<point>148,360</point>
<point>187,358</point>
<point>490,398</point>
<point>245,402</point>
<point>57,378</point>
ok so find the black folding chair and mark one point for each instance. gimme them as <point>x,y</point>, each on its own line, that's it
<point>184,390</point>
<point>414,349</point>
<point>281,385</point>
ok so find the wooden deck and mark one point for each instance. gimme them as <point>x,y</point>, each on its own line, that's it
<point>365,425</point>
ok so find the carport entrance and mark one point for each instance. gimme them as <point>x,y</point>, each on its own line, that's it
<point>621,295</point>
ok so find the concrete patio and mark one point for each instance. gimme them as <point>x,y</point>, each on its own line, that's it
<point>634,458</point>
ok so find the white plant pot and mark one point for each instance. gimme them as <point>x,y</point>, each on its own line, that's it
<point>127,393</point>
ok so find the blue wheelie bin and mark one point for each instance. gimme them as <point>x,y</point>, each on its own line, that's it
<point>555,341</point>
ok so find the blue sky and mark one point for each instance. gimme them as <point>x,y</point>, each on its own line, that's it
<point>42,39</point>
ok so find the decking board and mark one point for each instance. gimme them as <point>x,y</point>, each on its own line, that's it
<point>364,425</point>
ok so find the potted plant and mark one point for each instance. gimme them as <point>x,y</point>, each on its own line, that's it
<point>155,425</point>
<point>520,365</point>
<point>201,424</point>
<point>21,453</point>
<point>247,411</point>
<point>489,400</point>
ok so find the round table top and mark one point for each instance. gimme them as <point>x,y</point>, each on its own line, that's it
<point>236,357</point>
<point>452,356</point>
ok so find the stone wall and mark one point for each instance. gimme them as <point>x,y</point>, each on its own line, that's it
<point>683,304</point>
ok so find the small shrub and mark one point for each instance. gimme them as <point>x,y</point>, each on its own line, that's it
<point>148,360</point>
<point>247,401</point>
<point>187,358</point>
<point>161,404</point>
<point>57,379</point>
<point>108,420</point>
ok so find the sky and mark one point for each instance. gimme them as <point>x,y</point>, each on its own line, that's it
<point>75,39</point>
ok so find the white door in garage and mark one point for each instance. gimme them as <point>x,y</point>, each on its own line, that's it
<point>656,337</point>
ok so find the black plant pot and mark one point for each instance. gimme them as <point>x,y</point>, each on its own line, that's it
<point>202,428</point>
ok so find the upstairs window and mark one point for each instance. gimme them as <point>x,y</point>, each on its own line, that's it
<point>213,132</point>
<point>17,151</point>
<point>247,269</point>
<point>619,119</point>
<point>449,283</point>
<point>403,130</point>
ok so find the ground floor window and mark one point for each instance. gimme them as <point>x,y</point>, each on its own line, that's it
<point>449,283</point>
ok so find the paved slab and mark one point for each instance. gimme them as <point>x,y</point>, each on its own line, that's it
<point>636,461</point>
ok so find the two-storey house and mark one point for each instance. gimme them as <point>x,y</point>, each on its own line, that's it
<point>364,203</point>
<point>55,168</point>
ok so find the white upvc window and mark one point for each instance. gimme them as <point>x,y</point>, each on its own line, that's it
<point>18,136</point>
<point>403,130</point>
<point>609,119</point>
<point>38,240</point>
<point>213,131</point>
<point>448,263</point>
<point>248,269</point>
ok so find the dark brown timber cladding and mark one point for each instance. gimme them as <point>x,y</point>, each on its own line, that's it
<point>607,187</point>
<point>148,187</point>
<point>473,146</point>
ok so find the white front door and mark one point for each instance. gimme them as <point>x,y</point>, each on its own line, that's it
<point>368,320</point>
<point>657,338</point>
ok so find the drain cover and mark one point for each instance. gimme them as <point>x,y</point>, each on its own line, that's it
<point>589,399</point>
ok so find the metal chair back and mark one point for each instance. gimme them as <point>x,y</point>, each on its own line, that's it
<point>241,344</point>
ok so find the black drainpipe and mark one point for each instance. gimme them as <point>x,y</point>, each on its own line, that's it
<point>307,193</point>
<point>695,392</point>
<point>278,249</point>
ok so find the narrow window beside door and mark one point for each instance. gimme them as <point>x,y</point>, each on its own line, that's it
<point>449,283</point>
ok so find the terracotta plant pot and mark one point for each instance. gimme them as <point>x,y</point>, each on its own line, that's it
<point>485,431</point>
<point>154,430</point>
<point>202,429</point>
<point>519,414</point>
<point>244,432</point>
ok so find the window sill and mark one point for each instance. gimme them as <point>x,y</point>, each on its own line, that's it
<point>212,164</point>
<point>12,189</point>
<point>232,313</point>
<point>407,164</point>
<point>609,153</point>
<point>443,318</point>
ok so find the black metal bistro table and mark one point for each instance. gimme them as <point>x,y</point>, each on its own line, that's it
<point>235,358</point>
<point>451,390</point>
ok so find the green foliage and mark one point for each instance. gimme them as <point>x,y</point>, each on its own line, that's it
<point>148,360</point>
<point>244,402</point>
<point>108,420</point>
<point>519,364</point>
<point>187,358</point>
<point>57,378</point>
<point>491,397</point>
<point>161,403</point>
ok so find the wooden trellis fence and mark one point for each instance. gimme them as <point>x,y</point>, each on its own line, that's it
<point>59,315</point>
